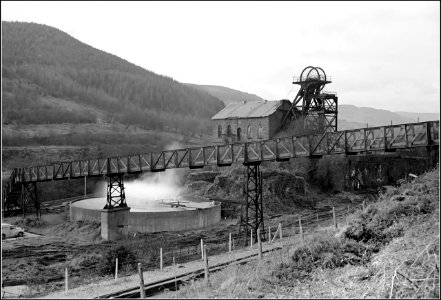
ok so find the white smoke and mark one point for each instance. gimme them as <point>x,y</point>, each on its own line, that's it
<point>166,185</point>
<point>153,186</point>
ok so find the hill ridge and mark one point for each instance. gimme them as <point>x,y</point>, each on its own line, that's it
<point>226,94</point>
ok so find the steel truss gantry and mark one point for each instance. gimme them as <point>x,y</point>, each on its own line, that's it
<point>350,142</point>
<point>251,217</point>
<point>116,196</point>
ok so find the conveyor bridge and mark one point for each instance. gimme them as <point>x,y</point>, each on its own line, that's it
<point>21,189</point>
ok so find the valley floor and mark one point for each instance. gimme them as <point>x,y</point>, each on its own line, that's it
<point>35,266</point>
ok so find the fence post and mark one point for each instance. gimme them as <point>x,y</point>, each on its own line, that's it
<point>251,244</point>
<point>280,232</point>
<point>259,244</point>
<point>160,258</point>
<point>275,234</point>
<point>364,204</point>
<point>229,245</point>
<point>174,264</point>
<point>205,264</point>
<point>116,268</point>
<point>301,230</point>
<point>333,217</point>
<point>141,281</point>
<point>66,282</point>
<point>233,244</point>
<point>269,234</point>
<point>202,249</point>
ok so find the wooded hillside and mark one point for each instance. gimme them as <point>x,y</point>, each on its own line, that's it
<point>39,61</point>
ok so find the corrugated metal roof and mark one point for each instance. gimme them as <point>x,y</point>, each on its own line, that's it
<point>250,109</point>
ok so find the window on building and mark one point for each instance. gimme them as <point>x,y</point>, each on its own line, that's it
<point>260,132</point>
<point>239,131</point>
<point>229,130</point>
<point>219,131</point>
<point>249,131</point>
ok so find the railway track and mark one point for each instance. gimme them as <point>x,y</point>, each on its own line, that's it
<point>173,283</point>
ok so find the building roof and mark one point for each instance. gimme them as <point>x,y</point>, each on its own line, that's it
<point>248,109</point>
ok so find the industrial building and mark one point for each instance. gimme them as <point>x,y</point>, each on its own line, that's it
<point>313,111</point>
<point>249,121</point>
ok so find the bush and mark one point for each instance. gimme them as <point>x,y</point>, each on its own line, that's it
<point>329,174</point>
<point>126,260</point>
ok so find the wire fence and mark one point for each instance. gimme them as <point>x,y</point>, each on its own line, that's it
<point>310,222</point>
<point>291,226</point>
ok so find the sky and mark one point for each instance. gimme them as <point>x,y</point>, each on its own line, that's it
<point>379,54</point>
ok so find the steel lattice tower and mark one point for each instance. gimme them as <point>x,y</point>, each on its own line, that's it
<point>251,217</point>
<point>116,196</point>
<point>313,110</point>
<point>29,196</point>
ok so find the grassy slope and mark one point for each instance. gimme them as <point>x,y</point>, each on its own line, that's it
<point>42,144</point>
<point>373,116</point>
<point>358,261</point>
<point>25,145</point>
<point>419,116</point>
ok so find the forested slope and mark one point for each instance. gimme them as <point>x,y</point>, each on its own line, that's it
<point>40,61</point>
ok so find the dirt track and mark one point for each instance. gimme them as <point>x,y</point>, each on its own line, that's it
<point>28,261</point>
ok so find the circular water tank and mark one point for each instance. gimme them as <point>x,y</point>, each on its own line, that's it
<point>183,213</point>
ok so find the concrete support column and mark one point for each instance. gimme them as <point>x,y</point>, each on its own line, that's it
<point>115,223</point>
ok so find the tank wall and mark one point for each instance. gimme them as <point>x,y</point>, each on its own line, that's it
<point>84,214</point>
<point>157,221</point>
<point>174,220</point>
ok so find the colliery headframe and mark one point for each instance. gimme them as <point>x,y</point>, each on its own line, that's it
<point>309,127</point>
<point>313,110</point>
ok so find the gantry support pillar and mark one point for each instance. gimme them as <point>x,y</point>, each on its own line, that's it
<point>251,217</point>
<point>115,215</point>
<point>116,197</point>
<point>29,196</point>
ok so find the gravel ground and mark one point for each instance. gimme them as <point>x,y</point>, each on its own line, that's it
<point>110,286</point>
<point>26,235</point>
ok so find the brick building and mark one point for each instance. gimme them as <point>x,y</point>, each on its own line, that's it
<point>249,121</point>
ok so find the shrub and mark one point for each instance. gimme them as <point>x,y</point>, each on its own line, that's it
<point>126,260</point>
<point>329,174</point>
